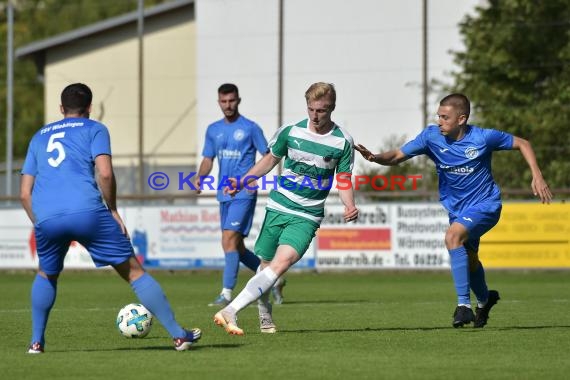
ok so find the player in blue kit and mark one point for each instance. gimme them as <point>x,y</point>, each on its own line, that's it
<point>235,141</point>
<point>462,155</point>
<point>60,195</point>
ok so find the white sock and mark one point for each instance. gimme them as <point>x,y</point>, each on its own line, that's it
<point>254,288</point>
<point>464,304</point>
<point>263,304</point>
<point>227,293</point>
<point>279,281</point>
<point>481,304</point>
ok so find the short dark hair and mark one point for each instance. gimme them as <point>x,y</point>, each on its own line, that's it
<point>458,101</point>
<point>228,88</point>
<point>76,98</point>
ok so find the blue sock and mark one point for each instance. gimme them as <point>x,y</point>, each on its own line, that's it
<point>460,273</point>
<point>250,260</point>
<point>478,284</point>
<point>231,270</point>
<point>44,292</point>
<point>152,297</point>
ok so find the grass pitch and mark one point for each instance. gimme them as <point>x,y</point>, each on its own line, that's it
<point>372,325</point>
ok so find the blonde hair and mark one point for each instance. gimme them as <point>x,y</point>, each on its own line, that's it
<point>320,90</point>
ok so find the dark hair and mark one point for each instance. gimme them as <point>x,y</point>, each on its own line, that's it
<point>458,101</point>
<point>76,99</point>
<point>228,88</point>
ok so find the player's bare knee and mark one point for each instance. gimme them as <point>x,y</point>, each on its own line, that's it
<point>129,270</point>
<point>452,239</point>
<point>456,236</point>
<point>231,240</point>
<point>51,277</point>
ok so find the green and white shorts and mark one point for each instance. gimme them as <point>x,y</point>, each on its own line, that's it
<point>284,229</point>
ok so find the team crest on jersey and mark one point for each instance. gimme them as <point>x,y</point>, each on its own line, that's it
<point>471,152</point>
<point>239,135</point>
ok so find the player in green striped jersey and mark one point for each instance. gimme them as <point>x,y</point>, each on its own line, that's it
<point>314,150</point>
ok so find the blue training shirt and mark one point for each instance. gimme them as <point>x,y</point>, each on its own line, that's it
<point>235,145</point>
<point>464,166</point>
<point>61,157</point>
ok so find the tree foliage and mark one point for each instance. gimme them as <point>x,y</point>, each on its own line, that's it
<point>516,71</point>
<point>35,20</point>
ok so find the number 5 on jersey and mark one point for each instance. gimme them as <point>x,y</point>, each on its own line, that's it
<point>56,145</point>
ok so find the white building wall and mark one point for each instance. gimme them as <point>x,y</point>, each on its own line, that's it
<point>370,49</point>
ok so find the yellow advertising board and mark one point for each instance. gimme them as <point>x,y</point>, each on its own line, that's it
<point>529,235</point>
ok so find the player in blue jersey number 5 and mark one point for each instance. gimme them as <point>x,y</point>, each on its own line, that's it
<point>59,193</point>
<point>462,155</point>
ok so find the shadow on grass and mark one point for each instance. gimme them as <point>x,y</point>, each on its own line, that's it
<point>197,347</point>
<point>149,348</point>
<point>370,329</point>
<point>381,329</point>
<point>308,302</point>
<point>508,328</point>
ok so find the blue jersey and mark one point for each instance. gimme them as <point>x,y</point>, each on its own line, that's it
<point>464,166</point>
<point>61,157</point>
<point>235,145</point>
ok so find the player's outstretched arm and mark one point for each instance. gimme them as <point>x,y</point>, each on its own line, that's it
<point>261,168</point>
<point>538,184</point>
<point>389,158</point>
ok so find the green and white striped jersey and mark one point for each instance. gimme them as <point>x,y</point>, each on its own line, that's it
<point>311,161</point>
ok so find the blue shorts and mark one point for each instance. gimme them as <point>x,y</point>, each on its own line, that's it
<point>96,230</point>
<point>478,219</point>
<point>237,215</point>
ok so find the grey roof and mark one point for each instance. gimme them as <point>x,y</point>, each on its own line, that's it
<point>60,39</point>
